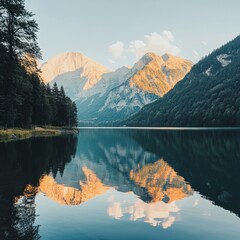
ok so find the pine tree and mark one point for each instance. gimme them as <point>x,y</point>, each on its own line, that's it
<point>2,73</point>
<point>18,36</point>
<point>74,115</point>
<point>24,98</point>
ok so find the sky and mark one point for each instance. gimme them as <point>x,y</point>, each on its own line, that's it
<point>117,33</point>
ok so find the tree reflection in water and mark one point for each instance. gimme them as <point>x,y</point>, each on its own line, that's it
<point>22,165</point>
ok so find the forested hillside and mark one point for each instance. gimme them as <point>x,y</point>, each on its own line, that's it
<point>207,96</point>
<point>24,99</point>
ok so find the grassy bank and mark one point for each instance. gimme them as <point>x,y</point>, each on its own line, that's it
<point>16,133</point>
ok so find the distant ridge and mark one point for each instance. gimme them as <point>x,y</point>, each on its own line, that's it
<point>207,97</point>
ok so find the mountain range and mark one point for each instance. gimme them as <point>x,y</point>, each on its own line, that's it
<point>208,96</point>
<point>157,91</point>
<point>102,95</point>
<point>93,171</point>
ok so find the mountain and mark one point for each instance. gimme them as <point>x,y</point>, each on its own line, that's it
<point>115,160</point>
<point>161,182</point>
<point>208,160</point>
<point>103,96</point>
<point>158,74</point>
<point>74,71</point>
<point>125,91</point>
<point>207,96</point>
<point>65,195</point>
<point>158,180</point>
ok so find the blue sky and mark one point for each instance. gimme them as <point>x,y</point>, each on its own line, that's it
<point>116,33</point>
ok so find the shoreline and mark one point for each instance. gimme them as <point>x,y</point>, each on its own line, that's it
<point>167,128</point>
<point>20,134</point>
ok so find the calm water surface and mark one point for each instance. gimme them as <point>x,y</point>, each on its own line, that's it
<point>122,184</point>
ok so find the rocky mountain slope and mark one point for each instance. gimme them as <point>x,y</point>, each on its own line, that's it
<point>109,96</point>
<point>65,195</point>
<point>74,71</point>
<point>150,78</point>
<point>207,96</point>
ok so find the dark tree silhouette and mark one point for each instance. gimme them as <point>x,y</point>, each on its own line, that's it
<point>18,36</point>
<point>24,99</point>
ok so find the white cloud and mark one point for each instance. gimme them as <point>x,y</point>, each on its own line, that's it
<point>153,42</point>
<point>168,35</point>
<point>115,210</point>
<point>155,214</point>
<point>137,44</point>
<point>116,49</point>
<point>168,222</point>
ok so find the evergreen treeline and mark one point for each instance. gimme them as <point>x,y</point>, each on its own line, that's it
<point>207,97</point>
<point>56,108</point>
<point>24,99</point>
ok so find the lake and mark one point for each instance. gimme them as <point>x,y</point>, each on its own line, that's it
<point>122,184</point>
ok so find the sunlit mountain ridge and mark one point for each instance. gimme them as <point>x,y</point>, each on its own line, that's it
<point>102,95</point>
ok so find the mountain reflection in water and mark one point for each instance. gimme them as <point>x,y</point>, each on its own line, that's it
<point>143,175</point>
